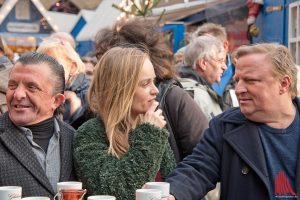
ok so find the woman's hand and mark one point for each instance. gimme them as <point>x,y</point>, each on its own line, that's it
<point>171,197</point>
<point>75,101</point>
<point>155,117</point>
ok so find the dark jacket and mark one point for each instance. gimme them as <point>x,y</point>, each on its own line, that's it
<point>80,86</point>
<point>231,152</point>
<point>19,165</point>
<point>185,120</point>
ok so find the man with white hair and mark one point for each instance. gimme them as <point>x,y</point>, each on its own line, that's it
<point>205,63</point>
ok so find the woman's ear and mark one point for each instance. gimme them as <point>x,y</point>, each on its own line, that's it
<point>73,69</point>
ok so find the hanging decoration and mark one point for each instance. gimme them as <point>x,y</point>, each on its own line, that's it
<point>132,8</point>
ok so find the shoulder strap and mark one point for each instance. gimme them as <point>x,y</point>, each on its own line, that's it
<point>188,83</point>
<point>164,88</point>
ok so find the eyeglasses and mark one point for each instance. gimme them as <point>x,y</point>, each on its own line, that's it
<point>219,60</point>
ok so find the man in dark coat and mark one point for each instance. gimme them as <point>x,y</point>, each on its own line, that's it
<point>252,150</point>
<point>35,146</point>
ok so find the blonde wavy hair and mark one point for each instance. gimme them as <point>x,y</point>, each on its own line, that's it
<point>111,94</point>
<point>62,50</point>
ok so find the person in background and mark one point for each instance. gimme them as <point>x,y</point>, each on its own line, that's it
<point>225,88</point>
<point>90,63</point>
<point>125,146</point>
<point>205,59</point>
<point>64,37</point>
<point>5,67</point>
<point>185,120</point>
<point>5,62</point>
<point>245,148</point>
<point>77,81</point>
<point>35,146</point>
<point>4,74</point>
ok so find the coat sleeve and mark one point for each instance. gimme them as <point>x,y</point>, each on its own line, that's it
<point>199,172</point>
<point>102,173</point>
<point>187,120</point>
<point>168,162</point>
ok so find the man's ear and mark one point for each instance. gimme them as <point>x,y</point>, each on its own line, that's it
<point>285,84</point>
<point>58,100</point>
<point>202,63</point>
<point>226,45</point>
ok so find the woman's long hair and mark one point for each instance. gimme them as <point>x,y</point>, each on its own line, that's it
<point>111,94</point>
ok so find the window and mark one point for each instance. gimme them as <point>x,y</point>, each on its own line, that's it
<point>294,31</point>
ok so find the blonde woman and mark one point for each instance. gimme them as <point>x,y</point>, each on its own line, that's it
<point>126,146</point>
<point>77,81</point>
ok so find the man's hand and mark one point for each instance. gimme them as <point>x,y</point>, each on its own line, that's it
<point>171,197</point>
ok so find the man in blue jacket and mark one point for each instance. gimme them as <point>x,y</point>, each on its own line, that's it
<point>251,150</point>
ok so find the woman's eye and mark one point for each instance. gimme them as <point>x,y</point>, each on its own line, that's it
<point>146,83</point>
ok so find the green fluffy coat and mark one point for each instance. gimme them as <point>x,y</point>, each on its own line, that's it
<point>102,173</point>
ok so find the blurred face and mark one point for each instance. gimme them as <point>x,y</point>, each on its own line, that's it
<point>89,68</point>
<point>214,67</point>
<point>146,91</point>
<point>257,89</point>
<point>29,95</point>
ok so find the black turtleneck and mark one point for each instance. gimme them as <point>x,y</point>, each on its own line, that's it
<point>42,132</point>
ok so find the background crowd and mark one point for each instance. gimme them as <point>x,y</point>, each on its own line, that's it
<point>211,125</point>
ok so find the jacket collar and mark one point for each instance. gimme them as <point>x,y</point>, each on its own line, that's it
<point>237,117</point>
<point>13,139</point>
<point>81,82</point>
<point>188,72</point>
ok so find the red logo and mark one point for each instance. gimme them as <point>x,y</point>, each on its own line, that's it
<point>283,186</point>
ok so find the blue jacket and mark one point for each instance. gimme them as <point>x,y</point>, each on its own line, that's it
<point>231,153</point>
<point>80,86</point>
<point>226,77</point>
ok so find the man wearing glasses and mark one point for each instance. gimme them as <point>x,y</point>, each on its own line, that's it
<point>204,61</point>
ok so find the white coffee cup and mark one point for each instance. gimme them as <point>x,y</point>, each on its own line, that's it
<point>36,198</point>
<point>148,194</point>
<point>72,185</point>
<point>164,187</point>
<point>10,193</point>
<point>101,197</point>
